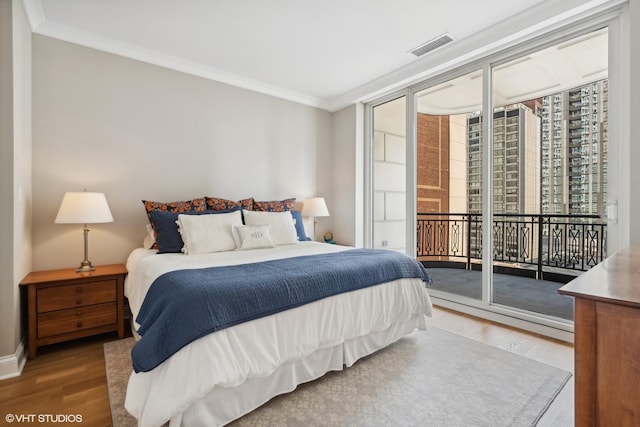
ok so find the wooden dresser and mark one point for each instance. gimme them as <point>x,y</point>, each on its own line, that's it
<point>607,341</point>
<point>64,304</point>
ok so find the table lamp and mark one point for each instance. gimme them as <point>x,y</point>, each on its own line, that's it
<point>315,207</point>
<point>84,208</point>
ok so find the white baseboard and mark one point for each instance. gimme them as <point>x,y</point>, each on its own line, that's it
<point>11,366</point>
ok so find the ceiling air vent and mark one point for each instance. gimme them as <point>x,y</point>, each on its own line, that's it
<point>432,45</point>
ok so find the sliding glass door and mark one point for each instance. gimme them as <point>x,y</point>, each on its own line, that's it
<point>549,177</point>
<point>505,207</point>
<point>449,184</point>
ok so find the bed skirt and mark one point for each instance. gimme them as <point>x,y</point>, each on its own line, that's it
<point>225,404</point>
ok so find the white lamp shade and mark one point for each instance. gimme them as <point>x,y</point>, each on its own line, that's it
<point>83,208</point>
<point>315,206</point>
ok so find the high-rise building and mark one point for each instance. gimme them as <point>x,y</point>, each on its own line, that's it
<point>549,157</point>
<point>516,160</point>
<point>574,150</point>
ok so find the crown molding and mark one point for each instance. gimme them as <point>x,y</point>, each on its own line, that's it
<point>35,13</point>
<point>40,25</point>
<point>505,34</point>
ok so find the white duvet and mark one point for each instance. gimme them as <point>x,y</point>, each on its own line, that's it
<point>256,349</point>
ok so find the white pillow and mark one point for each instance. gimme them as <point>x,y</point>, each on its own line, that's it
<point>253,237</point>
<point>203,234</point>
<point>150,238</point>
<point>283,230</point>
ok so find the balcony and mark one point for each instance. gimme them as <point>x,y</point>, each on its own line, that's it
<point>533,255</point>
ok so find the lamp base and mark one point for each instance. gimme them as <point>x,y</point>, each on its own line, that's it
<point>85,266</point>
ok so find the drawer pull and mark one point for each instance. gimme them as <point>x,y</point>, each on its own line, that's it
<point>79,301</point>
<point>79,289</point>
<point>79,313</point>
<point>79,324</point>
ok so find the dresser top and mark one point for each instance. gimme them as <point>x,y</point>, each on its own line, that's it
<point>616,280</point>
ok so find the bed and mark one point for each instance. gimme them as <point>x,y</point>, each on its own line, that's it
<point>214,374</point>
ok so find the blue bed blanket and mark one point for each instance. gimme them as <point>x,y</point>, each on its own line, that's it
<point>184,305</point>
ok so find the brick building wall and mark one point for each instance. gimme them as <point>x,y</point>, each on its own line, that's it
<point>433,163</point>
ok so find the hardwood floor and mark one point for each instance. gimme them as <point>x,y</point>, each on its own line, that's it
<point>69,378</point>
<point>64,379</point>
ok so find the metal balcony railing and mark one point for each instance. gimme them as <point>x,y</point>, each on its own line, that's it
<point>543,243</point>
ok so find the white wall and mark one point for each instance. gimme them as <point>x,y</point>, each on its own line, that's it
<point>15,178</point>
<point>634,113</point>
<point>22,185</point>
<point>137,131</point>
<point>346,203</point>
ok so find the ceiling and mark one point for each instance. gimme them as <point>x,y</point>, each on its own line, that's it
<point>566,65</point>
<point>326,53</point>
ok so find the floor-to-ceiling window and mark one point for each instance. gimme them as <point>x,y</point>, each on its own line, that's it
<point>510,206</point>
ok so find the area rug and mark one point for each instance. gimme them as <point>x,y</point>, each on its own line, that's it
<point>430,377</point>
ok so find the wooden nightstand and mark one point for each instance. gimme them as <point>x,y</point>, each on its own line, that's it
<point>65,305</point>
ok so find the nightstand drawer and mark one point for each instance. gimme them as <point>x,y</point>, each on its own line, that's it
<point>76,319</point>
<point>68,296</point>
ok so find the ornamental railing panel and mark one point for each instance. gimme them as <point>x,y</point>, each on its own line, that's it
<point>569,242</point>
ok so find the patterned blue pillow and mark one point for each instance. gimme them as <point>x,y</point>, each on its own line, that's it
<point>168,237</point>
<point>297,218</point>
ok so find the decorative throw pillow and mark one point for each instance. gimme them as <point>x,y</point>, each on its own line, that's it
<point>282,230</point>
<point>216,204</point>
<point>297,221</point>
<point>253,237</point>
<point>168,238</point>
<point>208,233</point>
<point>185,206</point>
<point>274,205</point>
